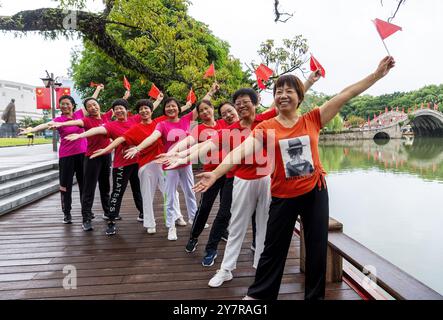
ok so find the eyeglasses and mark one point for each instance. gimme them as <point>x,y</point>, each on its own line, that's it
<point>242,103</point>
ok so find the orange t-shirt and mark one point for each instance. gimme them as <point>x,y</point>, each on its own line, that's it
<point>297,167</point>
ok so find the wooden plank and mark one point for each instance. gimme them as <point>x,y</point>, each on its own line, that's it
<point>35,247</point>
<point>395,281</point>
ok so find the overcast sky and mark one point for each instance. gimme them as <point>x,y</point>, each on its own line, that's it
<point>339,32</point>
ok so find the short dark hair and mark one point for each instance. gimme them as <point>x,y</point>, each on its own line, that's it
<point>144,103</point>
<point>207,102</point>
<point>171,99</point>
<point>222,104</point>
<point>246,92</point>
<point>12,100</point>
<point>85,102</point>
<point>71,99</point>
<point>120,102</point>
<point>293,82</point>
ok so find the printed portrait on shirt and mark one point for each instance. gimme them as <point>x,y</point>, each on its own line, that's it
<point>297,157</point>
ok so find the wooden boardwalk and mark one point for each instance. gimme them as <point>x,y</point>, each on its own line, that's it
<point>35,247</point>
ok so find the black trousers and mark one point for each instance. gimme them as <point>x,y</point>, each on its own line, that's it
<point>96,170</point>
<point>221,221</point>
<point>313,208</point>
<point>205,206</point>
<point>120,178</point>
<point>68,167</point>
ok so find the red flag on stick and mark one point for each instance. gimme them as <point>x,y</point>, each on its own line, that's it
<point>191,97</point>
<point>315,65</point>
<point>385,29</point>
<point>154,92</point>
<point>43,98</point>
<point>210,72</point>
<point>93,84</point>
<point>263,72</point>
<point>126,83</point>
<point>260,84</point>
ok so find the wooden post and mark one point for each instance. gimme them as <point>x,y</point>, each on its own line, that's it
<point>334,267</point>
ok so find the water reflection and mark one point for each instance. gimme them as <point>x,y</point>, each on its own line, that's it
<point>420,156</point>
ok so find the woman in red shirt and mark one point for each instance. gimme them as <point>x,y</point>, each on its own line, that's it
<point>284,135</point>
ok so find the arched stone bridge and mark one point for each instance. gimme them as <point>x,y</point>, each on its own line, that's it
<point>423,122</point>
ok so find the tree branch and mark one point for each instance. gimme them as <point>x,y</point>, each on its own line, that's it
<point>91,26</point>
<point>279,14</point>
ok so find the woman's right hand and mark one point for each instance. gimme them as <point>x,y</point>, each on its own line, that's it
<point>207,179</point>
<point>131,153</point>
<point>97,153</point>
<point>73,137</point>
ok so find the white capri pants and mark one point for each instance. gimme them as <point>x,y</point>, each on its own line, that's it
<point>247,196</point>
<point>152,176</point>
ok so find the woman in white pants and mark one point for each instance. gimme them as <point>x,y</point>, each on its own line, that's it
<point>150,173</point>
<point>171,131</point>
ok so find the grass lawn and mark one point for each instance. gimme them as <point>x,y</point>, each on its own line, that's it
<point>22,141</point>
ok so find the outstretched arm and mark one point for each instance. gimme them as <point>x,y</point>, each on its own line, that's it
<point>38,128</point>
<point>313,78</point>
<point>109,148</point>
<point>90,133</point>
<point>330,109</point>
<point>158,101</point>
<point>244,150</point>
<point>97,91</point>
<point>130,153</point>
<point>215,87</point>
<point>78,123</point>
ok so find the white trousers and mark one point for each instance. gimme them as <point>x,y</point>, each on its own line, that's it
<point>185,178</point>
<point>152,176</point>
<point>247,196</point>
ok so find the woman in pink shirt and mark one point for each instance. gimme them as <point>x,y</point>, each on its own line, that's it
<point>71,153</point>
<point>172,131</point>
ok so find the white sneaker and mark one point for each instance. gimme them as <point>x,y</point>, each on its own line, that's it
<point>206,226</point>
<point>172,234</point>
<point>180,222</point>
<point>191,222</point>
<point>151,230</point>
<point>220,277</point>
<point>248,298</point>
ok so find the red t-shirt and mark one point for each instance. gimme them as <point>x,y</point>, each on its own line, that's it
<point>297,162</point>
<point>202,133</point>
<point>139,132</point>
<point>115,130</point>
<point>98,141</point>
<point>254,167</point>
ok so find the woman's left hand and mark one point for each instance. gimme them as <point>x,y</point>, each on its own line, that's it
<point>384,67</point>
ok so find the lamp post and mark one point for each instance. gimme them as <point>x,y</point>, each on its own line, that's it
<point>50,82</point>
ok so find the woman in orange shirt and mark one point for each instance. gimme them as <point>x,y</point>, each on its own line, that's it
<point>294,183</point>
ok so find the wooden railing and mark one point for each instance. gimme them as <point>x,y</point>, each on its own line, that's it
<point>397,283</point>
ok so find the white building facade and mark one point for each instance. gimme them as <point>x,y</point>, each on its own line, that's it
<point>25,101</point>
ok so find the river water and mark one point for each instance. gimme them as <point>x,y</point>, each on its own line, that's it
<point>389,197</point>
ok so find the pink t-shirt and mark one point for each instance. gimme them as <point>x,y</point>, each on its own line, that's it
<point>115,130</point>
<point>70,148</point>
<point>98,141</point>
<point>173,132</point>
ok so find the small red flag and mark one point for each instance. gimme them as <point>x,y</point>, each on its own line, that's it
<point>263,72</point>
<point>260,84</point>
<point>435,106</point>
<point>315,65</point>
<point>93,84</point>
<point>43,98</point>
<point>191,97</point>
<point>385,29</point>
<point>210,72</point>
<point>61,92</point>
<point>154,92</point>
<point>126,83</point>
